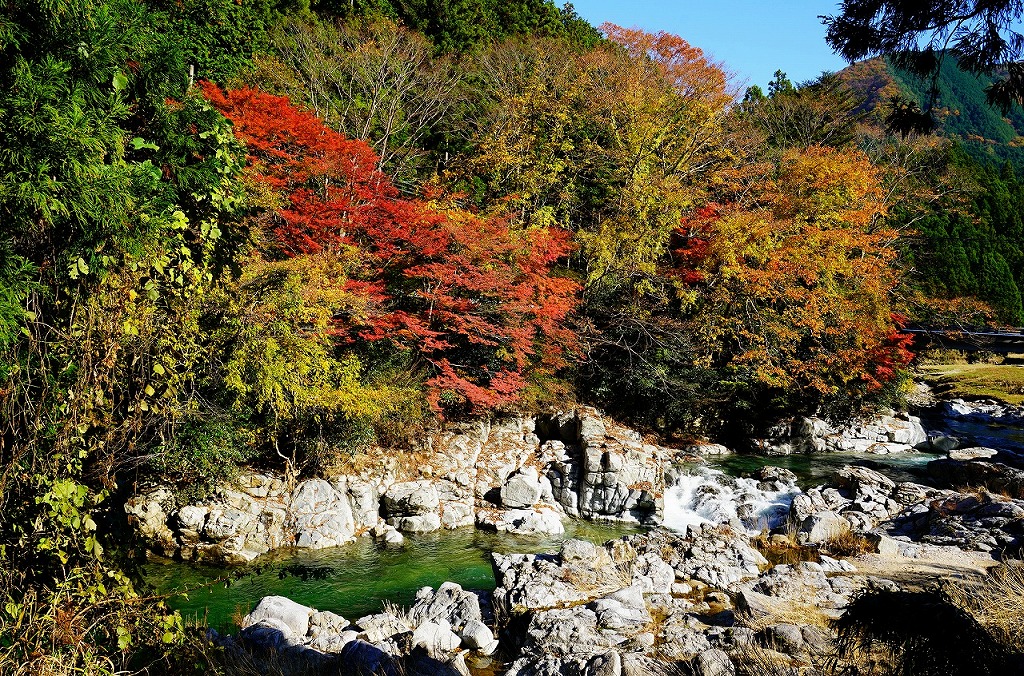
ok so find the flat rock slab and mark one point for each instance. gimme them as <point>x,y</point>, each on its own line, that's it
<point>933,562</point>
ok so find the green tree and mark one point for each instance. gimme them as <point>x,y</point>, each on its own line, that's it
<point>218,37</point>
<point>822,112</point>
<point>116,205</point>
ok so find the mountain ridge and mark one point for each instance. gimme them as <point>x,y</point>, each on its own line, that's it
<point>961,108</point>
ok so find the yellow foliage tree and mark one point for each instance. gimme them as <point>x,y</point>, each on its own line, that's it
<point>616,143</point>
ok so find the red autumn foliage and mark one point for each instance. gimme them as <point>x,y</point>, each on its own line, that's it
<point>472,297</point>
<point>888,359</point>
<point>326,177</point>
<point>690,245</point>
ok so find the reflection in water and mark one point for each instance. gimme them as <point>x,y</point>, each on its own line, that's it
<point>354,579</point>
<point>816,469</point>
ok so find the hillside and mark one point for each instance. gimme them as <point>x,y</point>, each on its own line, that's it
<point>962,110</point>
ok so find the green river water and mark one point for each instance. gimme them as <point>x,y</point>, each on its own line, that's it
<point>355,579</point>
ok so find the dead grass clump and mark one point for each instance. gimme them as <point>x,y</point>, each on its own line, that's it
<point>755,660</point>
<point>403,614</point>
<point>788,611</point>
<point>238,615</point>
<point>598,581</point>
<point>845,543</point>
<point>924,632</point>
<point>997,603</point>
<point>783,549</point>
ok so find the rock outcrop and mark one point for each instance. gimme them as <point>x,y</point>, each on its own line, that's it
<point>520,475</point>
<point>888,433</point>
<point>431,637</point>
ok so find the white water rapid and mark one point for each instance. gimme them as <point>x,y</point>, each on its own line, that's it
<point>710,496</point>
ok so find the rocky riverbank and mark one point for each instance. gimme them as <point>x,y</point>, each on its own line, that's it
<point>704,598</point>
<point>751,566</point>
<point>521,475</point>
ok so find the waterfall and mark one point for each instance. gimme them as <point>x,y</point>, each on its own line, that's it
<point>711,496</point>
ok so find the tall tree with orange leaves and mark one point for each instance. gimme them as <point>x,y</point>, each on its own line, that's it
<point>791,293</point>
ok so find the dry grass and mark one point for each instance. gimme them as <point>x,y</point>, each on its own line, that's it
<point>845,543</point>
<point>785,549</point>
<point>1003,382</point>
<point>792,612</point>
<point>594,582</point>
<point>406,463</point>
<point>403,614</point>
<point>238,615</point>
<point>923,633</point>
<point>755,660</point>
<point>997,603</point>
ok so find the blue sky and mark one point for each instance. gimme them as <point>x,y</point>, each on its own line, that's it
<point>753,38</point>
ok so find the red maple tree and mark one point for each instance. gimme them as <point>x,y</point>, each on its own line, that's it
<point>474,298</point>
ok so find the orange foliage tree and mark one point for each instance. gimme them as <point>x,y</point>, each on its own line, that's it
<point>474,300</point>
<point>792,290</point>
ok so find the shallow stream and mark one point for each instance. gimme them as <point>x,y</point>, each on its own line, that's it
<point>355,579</point>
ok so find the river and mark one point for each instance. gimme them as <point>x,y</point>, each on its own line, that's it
<point>355,579</point>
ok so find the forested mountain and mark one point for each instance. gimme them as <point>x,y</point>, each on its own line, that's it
<point>961,109</point>
<point>968,243</point>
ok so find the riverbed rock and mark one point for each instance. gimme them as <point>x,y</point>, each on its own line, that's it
<point>381,626</point>
<point>478,636</point>
<point>888,433</point>
<point>540,519</point>
<point>321,515</point>
<point>411,498</point>
<point>575,550</point>
<point>420,523</point>
<point>360,657</point>
<point>604,663</point>
<point>521,489</point>
<point>294,617</point>
<point>980,521</point>
<point>994,476</point>
<point>605,471</point>
<point>713,662</point>
<point>363,499</point>
<point>718,556</point>
<point>450,602</point>
<point>972,453</point>
<point>984,411</point>
<point>624,610</point>
<point>804,583</point>
<point>822,527</point>
<point>436,638</point>
<point>149,513</point>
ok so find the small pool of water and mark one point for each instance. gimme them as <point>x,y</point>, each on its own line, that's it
<point>815,469</point>
<point>353,580</point>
